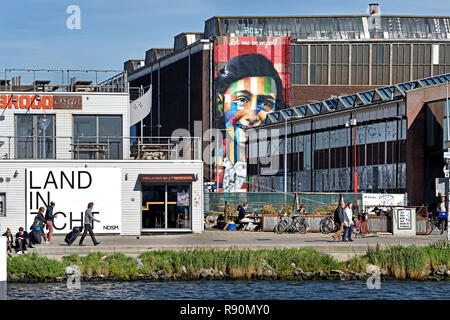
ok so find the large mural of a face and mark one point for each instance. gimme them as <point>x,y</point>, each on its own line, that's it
<point>248,87</point>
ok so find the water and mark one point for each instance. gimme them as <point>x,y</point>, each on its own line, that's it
<point>262,290</point>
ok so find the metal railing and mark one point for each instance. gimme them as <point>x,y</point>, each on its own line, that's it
<point>99,147</point>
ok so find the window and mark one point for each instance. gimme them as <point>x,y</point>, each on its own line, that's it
<point>401,62</point>
<point>360,64</point>
<point>339,64</point>
<point>299,65</point>
<point>2,204</point>
<point>422,61</point>
<point>98,136</point>
<point>319,64</point>
<point>35,136</point>
<point>380,64</point>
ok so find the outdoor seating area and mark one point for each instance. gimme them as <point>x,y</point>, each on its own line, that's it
<point>92,149</point>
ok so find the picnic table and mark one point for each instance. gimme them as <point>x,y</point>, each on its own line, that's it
<point>95,150</point>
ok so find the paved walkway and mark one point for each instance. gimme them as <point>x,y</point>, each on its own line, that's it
<point>134,245</point>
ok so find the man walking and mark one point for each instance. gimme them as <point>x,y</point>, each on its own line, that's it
<point>338,221</point>
<point>348,222</point>
<point>49,221</point>
<point>88,218</point>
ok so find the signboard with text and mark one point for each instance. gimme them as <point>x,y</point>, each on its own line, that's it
<point>404,219</point>
<point>72,189</point>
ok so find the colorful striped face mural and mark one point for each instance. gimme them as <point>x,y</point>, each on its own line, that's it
<point>247,101</point>
<point>251,78</point>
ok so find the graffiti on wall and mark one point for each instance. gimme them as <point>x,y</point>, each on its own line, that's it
<point>252,78</point>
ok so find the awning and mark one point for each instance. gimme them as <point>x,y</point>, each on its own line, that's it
<point>155,178</point>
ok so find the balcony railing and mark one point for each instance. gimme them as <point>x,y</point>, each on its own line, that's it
<point>99,148</point>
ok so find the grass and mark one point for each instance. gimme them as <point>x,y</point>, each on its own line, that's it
<point>400,262</point>
<point>35,267</point>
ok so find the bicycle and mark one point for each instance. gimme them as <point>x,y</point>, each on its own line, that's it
<point>432,223</point>
<point>361,228</point>
<point>291,225</point>
<point>327,225</point>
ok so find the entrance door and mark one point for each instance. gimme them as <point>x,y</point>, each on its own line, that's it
<point>153,206</point>
<point>166,206</point>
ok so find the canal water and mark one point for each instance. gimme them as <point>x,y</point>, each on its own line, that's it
<point>264,290</point>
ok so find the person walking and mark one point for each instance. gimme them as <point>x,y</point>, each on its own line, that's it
<point>348,222</point>
<point>442,214</point>
<point>49,221</point>
<point>338,221</point>
<point>88,219</point>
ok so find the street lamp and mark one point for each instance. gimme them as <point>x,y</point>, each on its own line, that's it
<point>352,123</point>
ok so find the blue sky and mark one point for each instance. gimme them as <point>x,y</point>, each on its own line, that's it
<point>33,33</point>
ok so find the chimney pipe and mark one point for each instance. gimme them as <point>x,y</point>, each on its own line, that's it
<point>374,8</point>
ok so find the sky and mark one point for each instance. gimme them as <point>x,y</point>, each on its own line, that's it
<point>33,33</point>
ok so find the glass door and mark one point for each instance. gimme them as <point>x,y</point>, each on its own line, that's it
<point>178,206</point>
<point>153,206</point>
<point>166,206</point>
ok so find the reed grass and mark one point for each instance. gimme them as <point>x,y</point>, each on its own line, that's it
<point>399,262</point>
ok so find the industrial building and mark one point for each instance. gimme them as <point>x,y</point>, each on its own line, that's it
<point>316,57</point>
<point>394,137</point>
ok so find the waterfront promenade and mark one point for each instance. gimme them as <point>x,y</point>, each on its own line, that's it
<point>135,245</point>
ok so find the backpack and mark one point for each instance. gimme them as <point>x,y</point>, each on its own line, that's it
<point>36,225</point>
<point>336,215</point>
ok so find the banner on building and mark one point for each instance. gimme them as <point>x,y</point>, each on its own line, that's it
<point>140,107</point>
<point>72,189</point>
<point>382,200</point>
<point>252,78</point>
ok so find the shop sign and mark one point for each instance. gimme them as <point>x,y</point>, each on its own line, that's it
<point>72,189</point>
<point>10,101</point>
<point>151,178</point>
<point>67,102</point>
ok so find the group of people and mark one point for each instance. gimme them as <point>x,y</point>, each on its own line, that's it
<point>44,219</point>
<point>244,218</point>
<point>24,239</point>
<point>343,218</point>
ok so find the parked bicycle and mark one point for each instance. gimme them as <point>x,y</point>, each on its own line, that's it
<point>287,224</point>
<point>327,225</point>
<point>433,223</point>
<point>361,228</point>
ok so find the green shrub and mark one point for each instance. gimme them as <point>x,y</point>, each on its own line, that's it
<point>35,267</point>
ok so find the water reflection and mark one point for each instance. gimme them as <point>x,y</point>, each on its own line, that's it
<point>264,290</point>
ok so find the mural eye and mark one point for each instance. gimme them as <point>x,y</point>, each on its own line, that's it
<point>243,99</point>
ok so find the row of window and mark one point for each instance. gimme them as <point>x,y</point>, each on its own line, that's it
<point>331,27</point>
<point>331,64</point>
<point>341,157</point>
<point>36,138</point>
<point>390,178</point>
